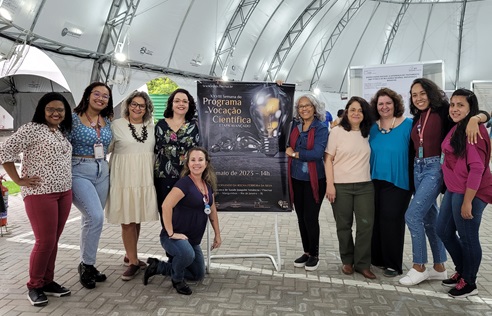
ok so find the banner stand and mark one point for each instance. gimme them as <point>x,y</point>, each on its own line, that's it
<point>276,264</point>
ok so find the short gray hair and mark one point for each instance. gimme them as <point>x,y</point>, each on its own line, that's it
<point>319,107</point>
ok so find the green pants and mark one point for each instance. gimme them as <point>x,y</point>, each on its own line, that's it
<point>358,199</point>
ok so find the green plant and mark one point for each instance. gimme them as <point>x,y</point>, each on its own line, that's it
<point>12,186</point>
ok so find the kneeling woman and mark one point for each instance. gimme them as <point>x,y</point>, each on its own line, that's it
<point>469,188</point>
<point>185,212</point>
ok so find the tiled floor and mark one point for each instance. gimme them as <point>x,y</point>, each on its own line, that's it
<point>236,285</point>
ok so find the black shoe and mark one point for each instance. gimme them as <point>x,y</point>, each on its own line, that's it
<point>312,263</point>
<point>98,276</point>
<point>55,289</point>
<point>301,261</point>
<point>151,269</point>
<point>181,287</point>
<point>452,281</point>
<point>86,276</point>
<point>463,289</point>
<point>390,273</point>
<point>37,297</point>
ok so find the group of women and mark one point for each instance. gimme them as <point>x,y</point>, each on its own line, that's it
<point>64,162</point>
<point>370,166</point>
<point>374,161</point>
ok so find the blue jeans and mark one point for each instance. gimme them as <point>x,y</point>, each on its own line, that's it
<point>90,187</point>
<point>464,247</point>
<point>421,215</point>
<point>187,260</point>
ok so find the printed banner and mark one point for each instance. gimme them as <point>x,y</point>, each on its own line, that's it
<point>245,126</point>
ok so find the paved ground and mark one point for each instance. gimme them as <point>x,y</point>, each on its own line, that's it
<point>234,286</point>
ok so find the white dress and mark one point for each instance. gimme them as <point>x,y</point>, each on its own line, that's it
<point>132,197</point>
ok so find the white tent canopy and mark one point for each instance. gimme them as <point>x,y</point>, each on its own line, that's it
<point>309,43</point>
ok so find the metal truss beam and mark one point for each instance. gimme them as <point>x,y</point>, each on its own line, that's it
<point>345,19</point>
<point>460,42</point>
<point>12,32</point>
<point>231,36</point>
<point>291,37</point>
<point>394,30</point>
<point>115,30</point>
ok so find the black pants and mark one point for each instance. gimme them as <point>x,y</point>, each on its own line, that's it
<point>388,233</point>
<point>307,211</point>
<point>162,187</point>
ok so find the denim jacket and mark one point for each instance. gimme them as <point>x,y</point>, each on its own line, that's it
<point>299,168</point>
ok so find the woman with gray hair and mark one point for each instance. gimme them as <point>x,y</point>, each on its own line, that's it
<point>307,182</point>
<point>132,197</point>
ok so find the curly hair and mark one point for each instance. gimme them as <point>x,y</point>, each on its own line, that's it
<point>437,97</point>
<point>208,174</point>
<point>458,140</point>
<point>367,121</point>
<point>40,116</point>
<point>319,107</point>
<point>149,106</point>
<point>394,96</point>
<point>191,105</point>
<point>84,102</point>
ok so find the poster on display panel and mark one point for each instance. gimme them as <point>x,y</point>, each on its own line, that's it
<point>245,126</point>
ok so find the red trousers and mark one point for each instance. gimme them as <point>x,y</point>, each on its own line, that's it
<point>48,214</point>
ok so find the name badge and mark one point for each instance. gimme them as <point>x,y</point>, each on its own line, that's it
<point>421,152</point>
<point>98,151</point>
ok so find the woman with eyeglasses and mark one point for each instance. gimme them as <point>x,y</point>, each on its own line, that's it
<point>175,134</point>
<point>45,181</point>
<point>306,174</point>
<point>132,199</point>
<point>90,138</point>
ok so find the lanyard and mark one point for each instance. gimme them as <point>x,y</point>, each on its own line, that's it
<point>206,200</point>
<point>421,131</point>
<point>96,126</point>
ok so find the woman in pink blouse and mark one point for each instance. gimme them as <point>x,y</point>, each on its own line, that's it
<point>46,182</point>
<point>468,181</point>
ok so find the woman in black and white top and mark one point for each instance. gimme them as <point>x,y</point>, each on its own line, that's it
<point>46,182</point>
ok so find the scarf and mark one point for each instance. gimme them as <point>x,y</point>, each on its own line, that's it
<point>313,174</point>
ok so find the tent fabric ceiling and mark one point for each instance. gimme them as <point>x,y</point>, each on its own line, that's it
<point>298,41</point>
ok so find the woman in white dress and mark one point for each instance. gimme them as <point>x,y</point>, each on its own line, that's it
<point>132,198</point>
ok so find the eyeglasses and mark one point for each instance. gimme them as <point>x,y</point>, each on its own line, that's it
<point>53,110</point>
<point>306,106</point>
<point>140,106</point>
<point>99,95</point>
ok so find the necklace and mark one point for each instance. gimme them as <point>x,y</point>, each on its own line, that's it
<point>95,125</point>
<point>384,131</point>
<point>204,191</point>
<point>143,136</point>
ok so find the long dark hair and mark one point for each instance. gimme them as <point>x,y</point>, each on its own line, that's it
<point>40,114</point>
<point>208,174</point>
<point>365,125</point>
<point>84,102</point>
<point>191,105</point>
<point>458,140</point>
<point>437,98</point>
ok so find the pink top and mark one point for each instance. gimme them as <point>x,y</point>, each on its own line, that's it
<point>471,171</point>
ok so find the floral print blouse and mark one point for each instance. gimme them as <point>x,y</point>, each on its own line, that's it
<point>171,147</point>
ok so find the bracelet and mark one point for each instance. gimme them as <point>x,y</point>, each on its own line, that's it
<point>171,235</point>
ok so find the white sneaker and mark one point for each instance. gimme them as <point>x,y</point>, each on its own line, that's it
<point>434,275</point>
<point>414,277</point>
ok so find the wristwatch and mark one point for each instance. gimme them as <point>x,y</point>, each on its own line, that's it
<point>293,155</point>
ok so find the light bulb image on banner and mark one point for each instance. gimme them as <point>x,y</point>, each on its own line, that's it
<point>268,111</point>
